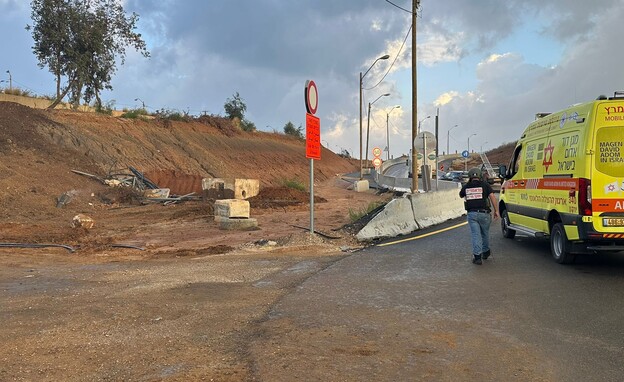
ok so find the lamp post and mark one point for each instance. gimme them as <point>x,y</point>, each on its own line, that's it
<point>10,81</point>
<point>368,122</point>
<point>143,103</point>
<point>421,121</point>
<point>388,130</point>
<point>466,161</point>
<point>448,135</point>
<point>385,57</point>
<point>483,144</point>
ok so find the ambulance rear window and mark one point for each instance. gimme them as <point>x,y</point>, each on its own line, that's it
<point>610,151</point>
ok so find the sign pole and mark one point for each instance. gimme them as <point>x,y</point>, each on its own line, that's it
<point>313,138</point>
<point>311,196</point>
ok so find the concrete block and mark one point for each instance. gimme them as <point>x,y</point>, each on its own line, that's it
<point>222,188</point>
<point>395,219</point>
<point>361,185</point>
<point>237,224</point>
<point>435,207</point>
<point>231,208</point>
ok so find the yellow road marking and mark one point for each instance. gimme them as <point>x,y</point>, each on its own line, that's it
<point>423,235</point>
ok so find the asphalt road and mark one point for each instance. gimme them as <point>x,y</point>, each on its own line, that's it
<point>420,310</point>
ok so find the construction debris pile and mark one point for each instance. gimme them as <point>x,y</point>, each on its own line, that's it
<point>136,180</point>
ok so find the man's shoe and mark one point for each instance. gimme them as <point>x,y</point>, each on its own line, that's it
<point>477,260</point>
<point>485,255</point>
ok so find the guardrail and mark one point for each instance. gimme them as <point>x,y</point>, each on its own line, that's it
<point>402,184</point>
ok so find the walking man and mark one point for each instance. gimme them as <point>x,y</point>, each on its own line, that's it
<point>480,202</point>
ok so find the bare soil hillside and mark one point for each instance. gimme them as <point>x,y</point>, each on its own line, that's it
<point>40,149</point>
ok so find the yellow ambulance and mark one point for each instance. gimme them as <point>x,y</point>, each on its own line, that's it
<point>565,180</point>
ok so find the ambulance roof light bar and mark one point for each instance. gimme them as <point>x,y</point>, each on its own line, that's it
<point>618,95</point>
<point>541,115</point>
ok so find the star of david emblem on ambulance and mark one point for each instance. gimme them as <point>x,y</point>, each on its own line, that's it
<point>548,155</point>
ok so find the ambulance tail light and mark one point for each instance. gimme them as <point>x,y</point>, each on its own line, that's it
<point>584,199</point>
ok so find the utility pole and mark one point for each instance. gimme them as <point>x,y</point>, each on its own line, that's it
<point>361,163</point>
<point>415,4</point>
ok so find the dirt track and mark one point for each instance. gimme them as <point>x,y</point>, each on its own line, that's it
<point>182,319</point>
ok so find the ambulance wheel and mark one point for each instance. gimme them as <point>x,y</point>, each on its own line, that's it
<point>559,245</point>
<point>507,232</point>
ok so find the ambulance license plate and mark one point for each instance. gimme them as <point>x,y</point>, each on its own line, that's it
<point>613,222</point>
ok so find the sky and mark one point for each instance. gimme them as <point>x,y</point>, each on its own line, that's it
<point>485,67</point>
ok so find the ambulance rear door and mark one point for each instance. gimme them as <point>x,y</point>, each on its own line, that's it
<point>607,173</point>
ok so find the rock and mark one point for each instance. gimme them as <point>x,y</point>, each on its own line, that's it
<point>82,221</point>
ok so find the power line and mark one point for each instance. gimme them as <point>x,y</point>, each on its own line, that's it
<point>395,58</point>
<point>401,8</point>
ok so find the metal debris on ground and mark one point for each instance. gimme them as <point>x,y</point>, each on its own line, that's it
<point>31,245</point>
<point>127,246</point>
<point>140,176</point>
<point>67,247</point>
<point>138,181</point>
<point>172,199</point>
<point>323,234</point>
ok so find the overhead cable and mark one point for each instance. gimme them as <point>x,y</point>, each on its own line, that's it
<point>395,58</point>
<point>401,8</point>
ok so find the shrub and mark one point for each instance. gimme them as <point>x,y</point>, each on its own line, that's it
<point>18,92</point>
<point>107,108</point>
<point>170,115</point>
<point>135,113</point>
<point>355,215</point>
<point>294,184</point>
<point>247,125</point>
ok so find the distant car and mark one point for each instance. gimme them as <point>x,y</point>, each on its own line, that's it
<point>455,176</point>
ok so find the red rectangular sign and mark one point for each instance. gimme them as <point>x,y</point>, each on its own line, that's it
<point>313,137</point>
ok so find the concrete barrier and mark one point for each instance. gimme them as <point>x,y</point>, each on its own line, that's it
<point>416,211</point>
<point>397,218</point>
<point>436,207</point>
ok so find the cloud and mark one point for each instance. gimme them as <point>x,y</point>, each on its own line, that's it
<point>205,51</point>
<point>445,98</point>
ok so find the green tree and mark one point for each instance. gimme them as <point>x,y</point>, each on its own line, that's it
<point>290,129</point>
<point>235,107</point>
<point>79,41</point>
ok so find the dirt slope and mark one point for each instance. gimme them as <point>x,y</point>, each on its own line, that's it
<point>40,148</point>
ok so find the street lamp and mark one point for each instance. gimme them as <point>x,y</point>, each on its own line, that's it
<point>10,81</point>
<point>448,135</point>
<point>483,144</point>
<point>368,121</point>
<point>466,161</point>
<point>143,103</point>
<point>388,130</point>
<point>385,57</point>
<point>421,121</point>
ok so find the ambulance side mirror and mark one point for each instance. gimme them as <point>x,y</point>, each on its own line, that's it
<point>502,172</point>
